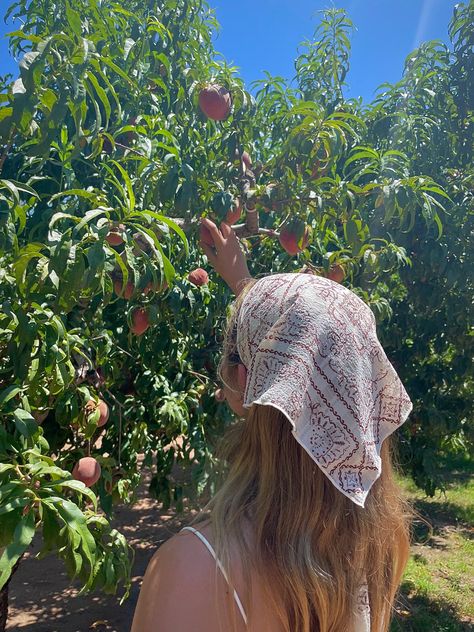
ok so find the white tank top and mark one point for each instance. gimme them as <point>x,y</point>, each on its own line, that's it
<point>219,564</point>
<point>362,622</point>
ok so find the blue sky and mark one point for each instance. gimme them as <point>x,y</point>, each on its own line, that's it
<point>258,35</point>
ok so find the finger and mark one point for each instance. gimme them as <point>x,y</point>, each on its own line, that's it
<point>226,229</point>
<point>219,395</point>
<point>209,252</point>
<point>215,232</point>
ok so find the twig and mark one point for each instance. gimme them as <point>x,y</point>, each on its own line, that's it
<point>120,405</point>
<point>252,220</point>
<point>135,151</point>
<point>205,377</point>
<point>242,231</point>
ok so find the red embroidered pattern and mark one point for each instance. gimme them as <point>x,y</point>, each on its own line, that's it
<point>311,349</point>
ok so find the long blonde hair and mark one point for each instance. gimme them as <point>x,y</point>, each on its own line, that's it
<point>312,546</point>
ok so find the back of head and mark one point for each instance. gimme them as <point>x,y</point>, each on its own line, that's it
<point>317,553</point>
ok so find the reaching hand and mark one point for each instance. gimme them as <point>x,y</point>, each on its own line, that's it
<point>225,254</point>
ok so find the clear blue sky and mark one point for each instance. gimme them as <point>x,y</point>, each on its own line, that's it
<point>258,35</point>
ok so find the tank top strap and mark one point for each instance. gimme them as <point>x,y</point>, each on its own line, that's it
<point>209,547</point>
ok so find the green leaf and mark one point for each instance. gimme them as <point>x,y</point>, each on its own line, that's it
<point>119,71</point>
<point>121,264</point>
<point>5,113</point>
<point>169,222</point>
<point>128,184</point>
<point>79,487</point>
<point>15,186</point>
<point>74,20</point>
<point>351,234</point>
<point>7,393</point>
<point>90,215</point>
<point>437,220</point>
<point>16,503</point>
<point>22,538</point>
<point>129,44</point>
<point>51,529</point>
<point>102,96</point>
<point>25,422</point>
<point>89,195</point>
<point>31,251</point>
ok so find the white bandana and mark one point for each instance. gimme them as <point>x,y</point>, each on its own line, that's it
<point>311,350</point>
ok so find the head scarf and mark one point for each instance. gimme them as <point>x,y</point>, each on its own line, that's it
<point>311,350</point>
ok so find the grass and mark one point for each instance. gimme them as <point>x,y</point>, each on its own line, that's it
<point>437,592</point>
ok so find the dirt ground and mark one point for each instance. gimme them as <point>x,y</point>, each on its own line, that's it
<point>42,598</point>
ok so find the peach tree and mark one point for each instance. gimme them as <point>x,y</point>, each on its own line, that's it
<point>121,131</point>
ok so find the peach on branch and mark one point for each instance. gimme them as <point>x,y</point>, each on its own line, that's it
<point>129,136</point>
<point>107,145</point>
<point>40,415</point>
<point>140,321</point>
<point>294,236</point>
<point>215,101</point>
<point>127,291</point>
<point>115,235</point>
<point>92,406</point>
<point>219,395</point>
<point>87,470</point>
<point>336,273</point>
<point>198,277</point>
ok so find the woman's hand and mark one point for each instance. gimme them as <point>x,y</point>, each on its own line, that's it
<point>225,255</point>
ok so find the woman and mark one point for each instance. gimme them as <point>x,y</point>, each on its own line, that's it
<point>308,532</point>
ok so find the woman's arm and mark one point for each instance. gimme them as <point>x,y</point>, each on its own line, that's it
<point>226,256</point>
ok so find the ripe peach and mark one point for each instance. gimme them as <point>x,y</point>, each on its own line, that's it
<point>92,405</point>
<point>215,101</point>
<point>336,273</point>
<point>115,235</point>
<point>128,291</point>
<point>140,321</point>
<point>128,137</point>
<point>294,236</point>
<point>198,277</point>
<point>87,470</point>
<point>40,415</point>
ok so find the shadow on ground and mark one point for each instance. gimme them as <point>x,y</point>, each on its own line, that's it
<point>43,599</point>
<point>421,614</point>
<point>443,514</point>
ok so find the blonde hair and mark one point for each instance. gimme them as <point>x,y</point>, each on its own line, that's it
<point>312,545</point>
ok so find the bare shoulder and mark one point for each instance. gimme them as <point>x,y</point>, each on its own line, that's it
<point>179,587</point>
<point>183,550</point>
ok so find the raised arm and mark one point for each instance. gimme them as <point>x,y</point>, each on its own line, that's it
<point>225,255</point>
